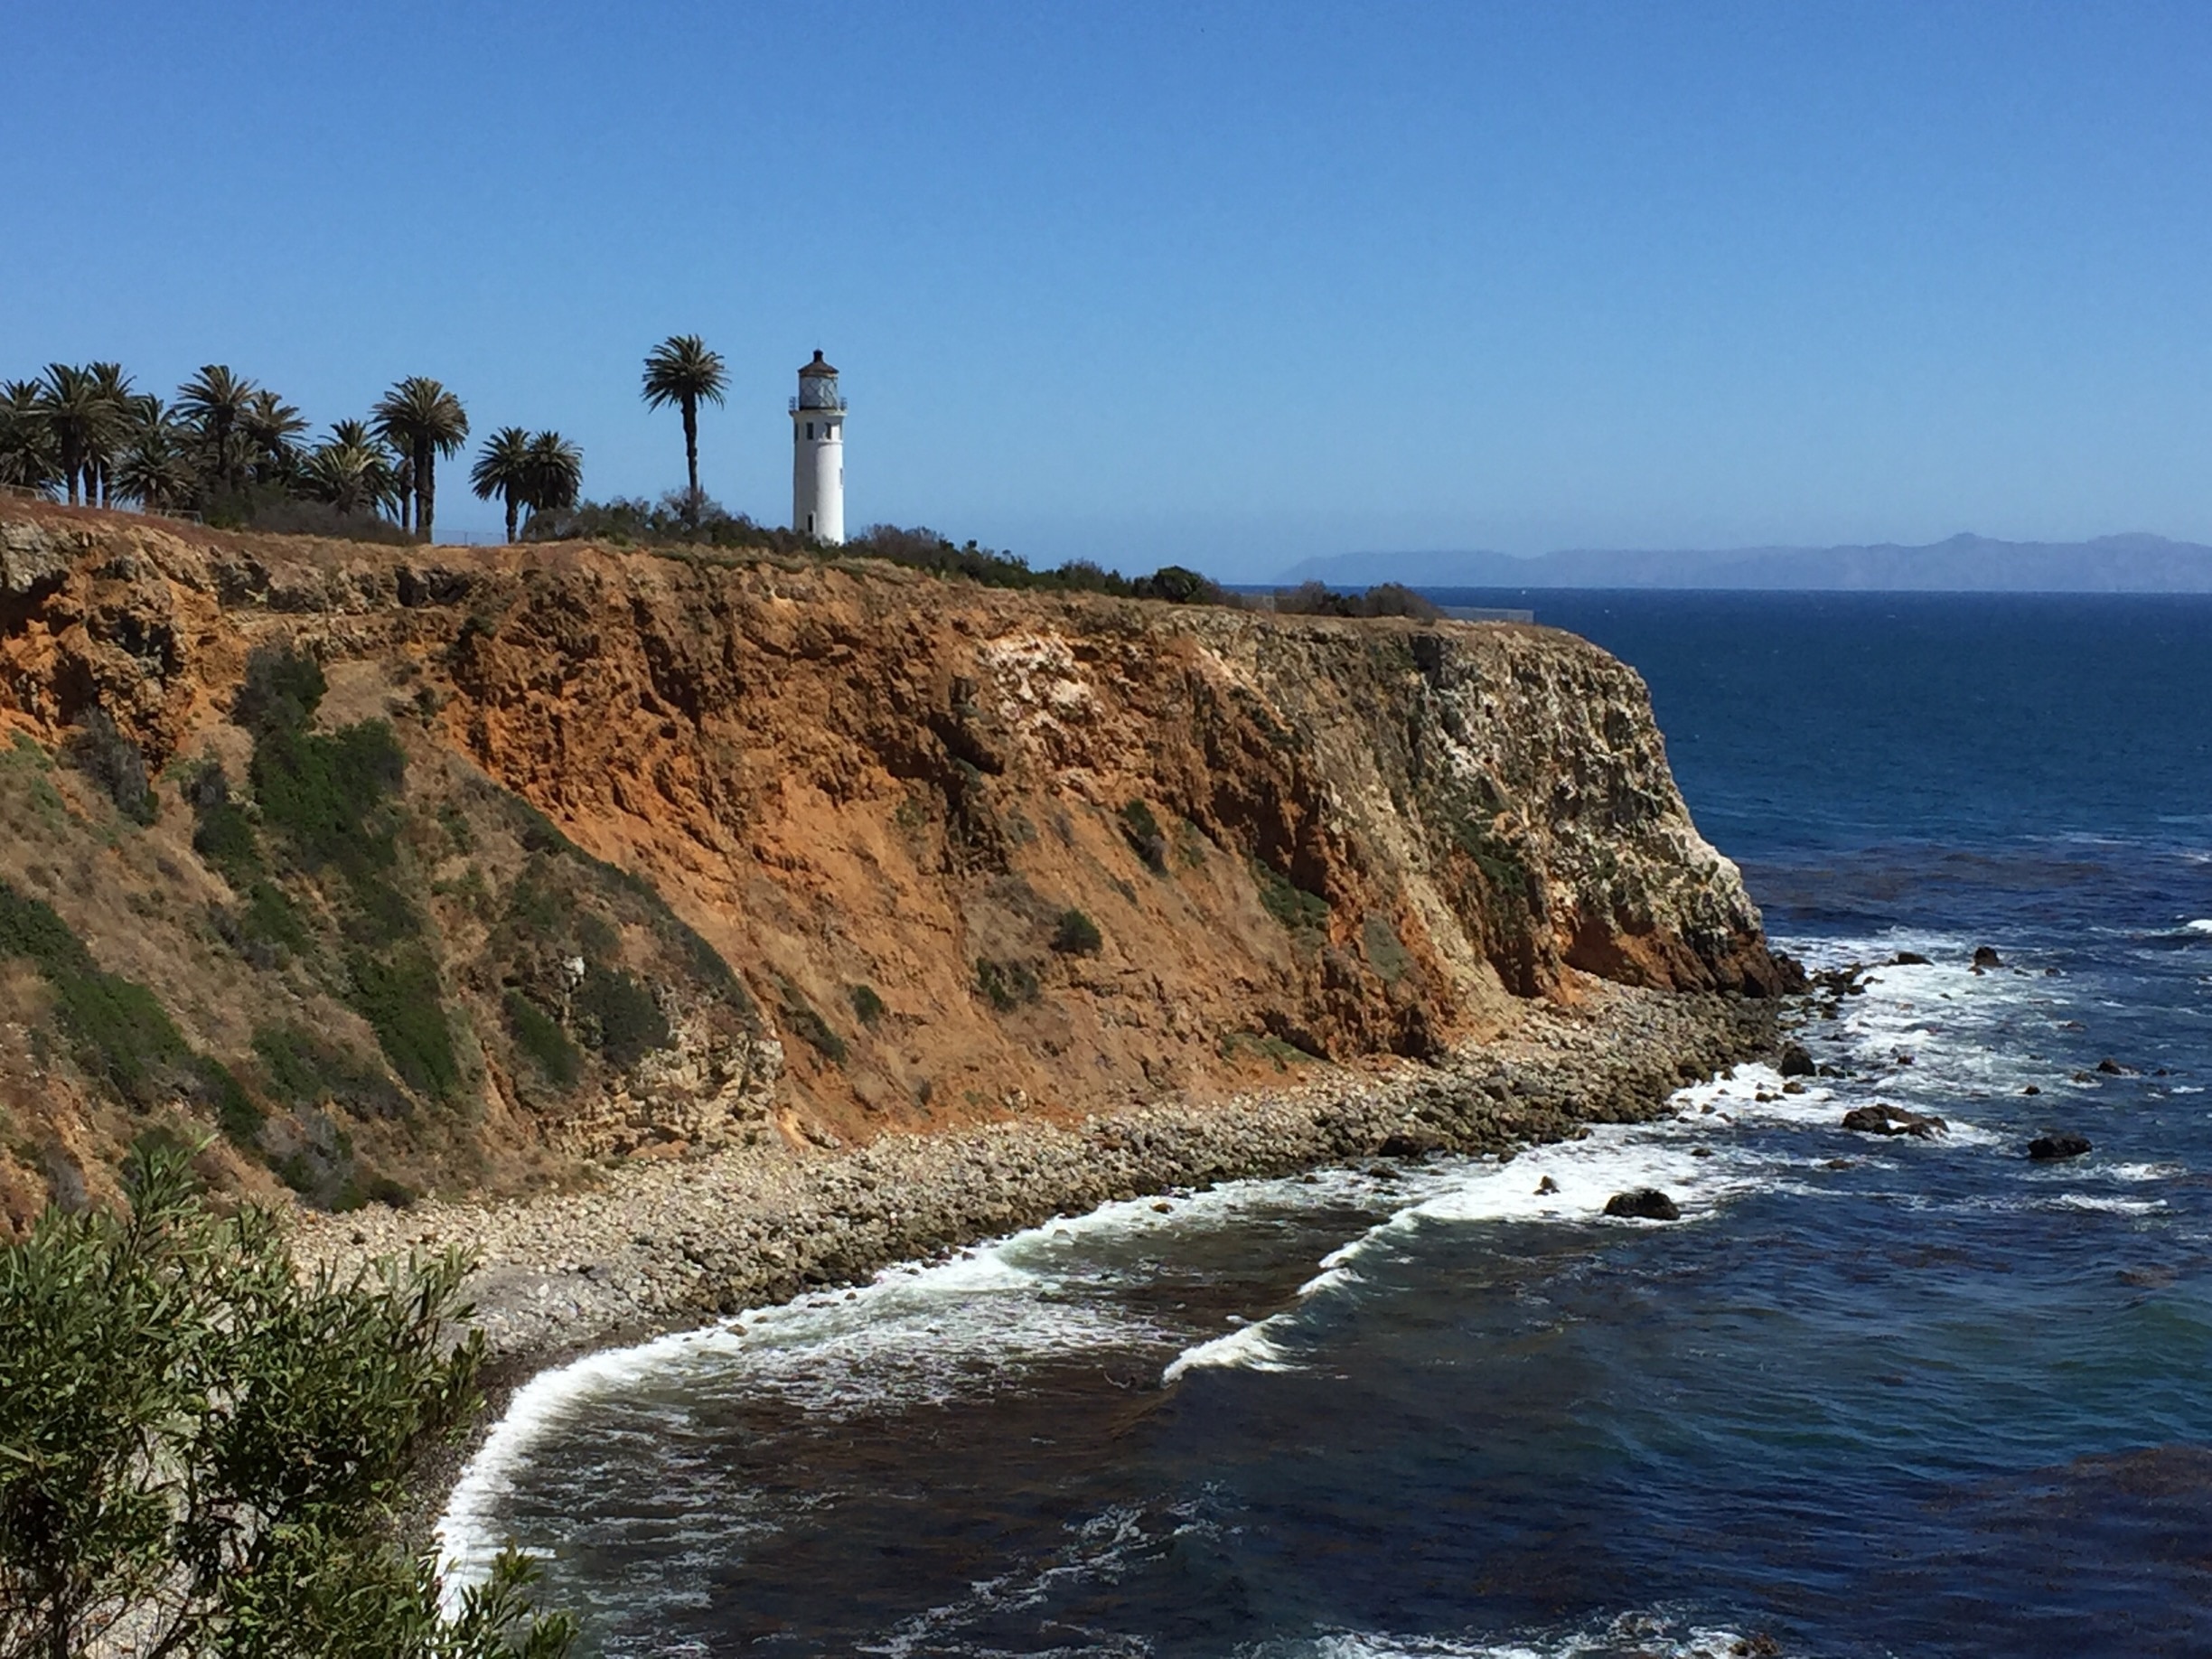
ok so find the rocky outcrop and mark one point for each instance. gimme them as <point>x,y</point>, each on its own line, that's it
<point>963,854</point>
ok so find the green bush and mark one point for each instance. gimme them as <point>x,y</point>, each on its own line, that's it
<point>1008,985</point>
<point>397,994</point>
<point>116,764</point>
<point>1384,599</point>
<point>1289,903</point>
<point>223,835</point>
<point>617,1015</point>
<point>1142,831</point>
<point>119,1028</point>
<point>800,1016</point>
<point>240,1121</point>
<point>205,1447</point>
<point>866,1006</point>
<point>304,1070</point>
<point>280,690</point>
<point>539,1036</point>
<point>1077,935</point>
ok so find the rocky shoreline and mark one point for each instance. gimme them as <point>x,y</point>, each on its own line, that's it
<point>664,1246</point>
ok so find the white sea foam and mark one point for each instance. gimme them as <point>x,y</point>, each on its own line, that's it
<point>1249,1347</point>
<point>2203,924</point>
<point>2143,1172</point>
<point>1656,1634</point>
<point>2111,1207</point>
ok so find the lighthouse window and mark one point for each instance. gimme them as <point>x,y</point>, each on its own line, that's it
<point>809,428</point>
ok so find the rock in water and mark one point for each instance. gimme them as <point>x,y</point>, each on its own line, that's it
<point>1985,956</point>
<point>1883,1118</point>
<point>2113,1068</point>
<point>1796,1061</point>
<point>1645,1203</point>
<point>2047,1148</point>
<point>1908,959</point>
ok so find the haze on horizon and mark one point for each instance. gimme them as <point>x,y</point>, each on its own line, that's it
<point>1237,286</point>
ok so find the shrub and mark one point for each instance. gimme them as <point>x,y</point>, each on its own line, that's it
<point>1288,902</point>
<point>112,761</point>
<point>216,1088</point>
<point>1077,935</point>
<point>1384,599</point>
<point>674,522</point>
<point>800,1016</point>
<point>539,1036</point>
<point>1008,985</point>
<point>866,1006</point>
<point>304,1070</point>
<point>119,1027</point>
<point>205,1446</point>
<point>280,690</point>
<point>223,831</point>
<point>618,1016</point>
<point>397,994</point>
<point>1145,836</point>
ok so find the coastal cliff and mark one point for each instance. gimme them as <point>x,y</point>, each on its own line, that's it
<point>571,852</point>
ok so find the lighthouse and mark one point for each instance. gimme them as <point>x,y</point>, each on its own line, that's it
<point>818,453</point>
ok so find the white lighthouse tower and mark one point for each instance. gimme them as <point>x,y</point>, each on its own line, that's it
<point>818,453</point>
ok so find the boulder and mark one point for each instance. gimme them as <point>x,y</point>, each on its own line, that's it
<point>2113,1068</point>
<point>1883,1118</point>
<point>1546,1185</point>
<point>1796,1061</point>
<point>2047,1148</point>
<point>1985,956</point>
<point>1908,959</point>
<point>1645,1203</point>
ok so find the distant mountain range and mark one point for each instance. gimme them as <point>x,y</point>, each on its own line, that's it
<point>2130,564</point>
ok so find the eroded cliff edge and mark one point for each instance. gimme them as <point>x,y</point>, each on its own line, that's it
<point>876,850</point>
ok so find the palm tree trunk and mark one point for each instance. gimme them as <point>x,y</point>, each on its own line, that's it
<point>512,505</point>
<point>425,491</point>
<point>690,414</point>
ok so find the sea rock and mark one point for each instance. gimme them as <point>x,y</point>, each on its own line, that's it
<point>1796,1061</point>
<point>1985,956</point>
<point>2113,1068</point>
<point>1883,1118</point>
<point>1546,1185</point>
<point>1645,1203</point>
<point>2047,1148</point>
<point>1908,959</point>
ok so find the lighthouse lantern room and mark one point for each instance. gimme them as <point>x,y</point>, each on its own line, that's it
<point>818,453</point>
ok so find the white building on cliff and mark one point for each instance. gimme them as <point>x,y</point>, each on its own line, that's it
<point>818,453</point>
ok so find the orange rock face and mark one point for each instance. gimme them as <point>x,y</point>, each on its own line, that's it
<point>972,852</point>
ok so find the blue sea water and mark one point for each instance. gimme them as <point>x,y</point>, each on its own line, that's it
<point>1867,1398</point>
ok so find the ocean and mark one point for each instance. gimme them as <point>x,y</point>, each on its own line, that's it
<point>1867,1397</point>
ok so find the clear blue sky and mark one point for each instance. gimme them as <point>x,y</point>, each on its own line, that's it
<point>1232,285</point>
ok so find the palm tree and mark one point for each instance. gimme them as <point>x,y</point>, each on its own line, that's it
<point>155,468</point>
<point>556,473</point>
<point>114,389</point>
<point>79,415</point>
<point>503,468</point>
<point>682,370</point>
<point>216,401</point>
<point>352,472</point>
<point>27,457</point>
<point>270,425</point>
<point>422,420</point>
